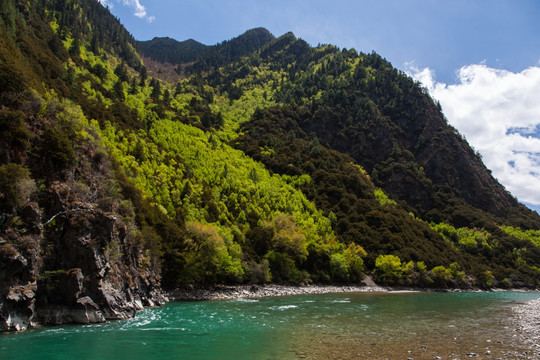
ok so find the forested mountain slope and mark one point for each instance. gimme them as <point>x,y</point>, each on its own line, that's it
<point>271,161</point>
<point>169,50</point>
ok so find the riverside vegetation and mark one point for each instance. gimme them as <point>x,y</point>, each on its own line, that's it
<point>127,167</point>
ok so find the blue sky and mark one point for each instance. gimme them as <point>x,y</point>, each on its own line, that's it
<point>479,58</point>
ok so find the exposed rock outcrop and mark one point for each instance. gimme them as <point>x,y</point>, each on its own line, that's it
<point>18,269</point>
<point>80,266</point>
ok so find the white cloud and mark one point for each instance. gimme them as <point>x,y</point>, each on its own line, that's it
<point>106,3</point>
<point>138,8</point>
<point>140,11</point>
<point>498,112</point>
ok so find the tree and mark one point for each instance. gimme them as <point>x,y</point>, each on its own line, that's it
<point>57,150</point>
<point>156,90</point>
<point>207,256</point>
<point>75,48</point>
<point>143,76</point>
<point>441,275</point>
<point>354,255</point>
<point>288,238</point>
<point>118,89</point>
<point>388,269</point>
<point>339,267</point>
<point>16,186</point>
<point>121,72</point>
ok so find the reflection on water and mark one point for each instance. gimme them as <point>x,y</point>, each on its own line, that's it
<point>340,326</point>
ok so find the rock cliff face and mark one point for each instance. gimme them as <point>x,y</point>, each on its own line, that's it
<point>79,266</point>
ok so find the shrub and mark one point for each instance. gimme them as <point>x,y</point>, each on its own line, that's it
<point>16,186</point>
<point>13,129</point>
<point>388,269</point>
<point>441,275</point>
<point>207,256</point>
<point>57,150</point>
<point>284,269</point>
<point>339,268</point>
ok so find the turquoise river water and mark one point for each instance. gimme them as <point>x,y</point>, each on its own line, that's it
<point>333,326</point>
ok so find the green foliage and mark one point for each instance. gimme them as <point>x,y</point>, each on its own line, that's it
<point>382,198</point>
<point>354,255</point>
<point>255,166</point>
<point>486,279</point>
<point>388,269</point>
<point>339,267</point>
<point>468,239</point>
<point>16,186</point>
<point>209,257</point>
<point>530,235</point>
<point>288,237</point>
<point>441,275</point>
<point>14,133</point>
<point>52,274</point>
<point>57,150</point>
<point>284,269</point>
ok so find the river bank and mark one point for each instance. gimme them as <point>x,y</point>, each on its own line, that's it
<point>260,291</point>
<point>224,292</point>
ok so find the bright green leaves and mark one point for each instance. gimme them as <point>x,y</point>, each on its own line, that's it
<point>383,199</point>
<point>288,237</point>
<point>530,235</point>
<point>209,257</point>
<point>194,176</point>
<point>388,269</point>
<point>470,240</point>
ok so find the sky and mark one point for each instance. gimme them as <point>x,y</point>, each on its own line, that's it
<point>479,58</point>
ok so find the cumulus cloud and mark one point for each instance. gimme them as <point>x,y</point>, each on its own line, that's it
<point>106,3</point>
<point>140,11</point>
<point>138,8</point>
<point>498,112</point>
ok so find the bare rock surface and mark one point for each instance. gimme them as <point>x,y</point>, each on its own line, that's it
<point>77,265</point>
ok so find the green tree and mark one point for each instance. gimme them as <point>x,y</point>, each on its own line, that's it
<point>354,254</point>
<point>207,256</point>
<point>388,269</point>
<point>121,72</point>
<point>75,48</point>
<point>57,150</point>
<point>441,275</point>
<point>339,268</point>
<point>16,186</point>
<point>156,90</point>
<point>119,90</point>
<point>288,237</point>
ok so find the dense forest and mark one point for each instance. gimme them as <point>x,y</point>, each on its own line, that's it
<point>269,160</point>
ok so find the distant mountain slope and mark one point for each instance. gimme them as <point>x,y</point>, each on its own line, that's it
<point>169,50</point>
<point>205,57</point>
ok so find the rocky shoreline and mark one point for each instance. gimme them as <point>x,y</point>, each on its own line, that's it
<point>259,291</point>
<point>224,292</point>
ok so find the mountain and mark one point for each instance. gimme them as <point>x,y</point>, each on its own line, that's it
<point>198,57</point>
<point>270,161</point>
<point>169,50</point>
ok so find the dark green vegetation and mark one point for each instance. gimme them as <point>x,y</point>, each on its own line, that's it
<point>270,161</point>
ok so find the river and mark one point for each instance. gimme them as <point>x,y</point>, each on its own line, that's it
<point>332,326</point>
